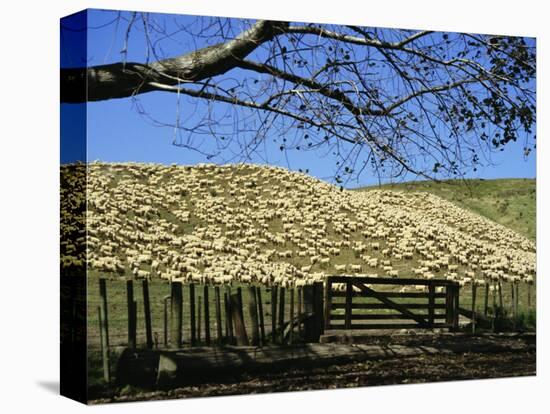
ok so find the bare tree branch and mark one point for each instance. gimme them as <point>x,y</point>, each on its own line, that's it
<point>421,102</point>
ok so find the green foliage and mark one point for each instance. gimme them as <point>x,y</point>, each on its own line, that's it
<point>524,321</point>
<point>527,320</point>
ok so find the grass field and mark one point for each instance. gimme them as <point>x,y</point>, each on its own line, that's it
<point>510,202</point>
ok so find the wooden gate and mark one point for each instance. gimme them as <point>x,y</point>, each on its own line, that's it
<point>421,304</point>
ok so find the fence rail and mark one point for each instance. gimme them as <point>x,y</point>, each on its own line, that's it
<point>400,313</point>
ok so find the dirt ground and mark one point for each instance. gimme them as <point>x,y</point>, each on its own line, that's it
<point>510,361</point>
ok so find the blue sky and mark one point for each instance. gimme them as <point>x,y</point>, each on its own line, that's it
<point>118,132</point>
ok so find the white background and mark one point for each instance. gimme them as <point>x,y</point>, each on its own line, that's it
<point>29,156</point>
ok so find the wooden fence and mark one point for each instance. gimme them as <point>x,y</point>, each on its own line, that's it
<point>195,314</point>
<point>156,314</point>
<point>360,306</point>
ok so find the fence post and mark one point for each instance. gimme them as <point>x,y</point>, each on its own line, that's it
<point>240,308</point>
<point>517,297</point>
<point>218,315</point>
<point>165,301</point>
<point>456,313</point>
<point>493,320</point>
<point>500,295</point>
<point>176,314</point>
<point>474,294</point>
<point>192,315</point>
<point>206,315</point>
<point>238,321</point>
<point>104,330</point>
<point>281,315</point>
<point>228,311</point>
<point>349,298</point>
<point>514,304</point>
<point>513,310</point>
<point>486,304</point>
<point>300,309</point>
<point>274,314</point>
<point>309,323</point>
<point>253,313</point>
<point>291,315</point>
<point>318,308</point>
<point>260,314</point>
<point>328,302</point>
<point>147,313</point>
<point>199,313</point>
<point>431,304</point>
<point>131,314</point>
<point>449,304</point>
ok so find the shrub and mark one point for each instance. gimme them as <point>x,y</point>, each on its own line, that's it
<point>524,321</point>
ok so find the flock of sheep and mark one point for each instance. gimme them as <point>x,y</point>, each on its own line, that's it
<point>250,223</point>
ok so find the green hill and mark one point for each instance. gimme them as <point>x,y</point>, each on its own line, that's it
<point>510,202</point>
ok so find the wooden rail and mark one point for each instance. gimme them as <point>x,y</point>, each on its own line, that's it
<point>397,310</point>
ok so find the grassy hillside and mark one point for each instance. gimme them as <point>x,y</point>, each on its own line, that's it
<point>269,225</point>
<point>510,202</point>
